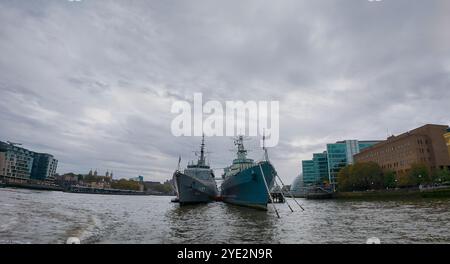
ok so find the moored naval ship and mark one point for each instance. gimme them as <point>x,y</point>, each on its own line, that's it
<point>246,182</point>
<point>197,183</point>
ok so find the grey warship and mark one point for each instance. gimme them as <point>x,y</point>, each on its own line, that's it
<point>197,183</point>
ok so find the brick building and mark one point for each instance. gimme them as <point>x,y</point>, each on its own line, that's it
<point>423,145</point>
<point>447,140</point>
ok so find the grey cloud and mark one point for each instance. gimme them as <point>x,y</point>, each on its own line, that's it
<point>93,81</point>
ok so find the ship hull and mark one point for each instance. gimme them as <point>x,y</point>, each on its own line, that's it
<point>191,190</point>
<point>247,188</point>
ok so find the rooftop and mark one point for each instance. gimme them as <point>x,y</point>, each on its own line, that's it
<point>359,141</point>
<point>416,131</point>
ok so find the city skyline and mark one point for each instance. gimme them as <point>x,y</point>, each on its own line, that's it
<point>92,82</point>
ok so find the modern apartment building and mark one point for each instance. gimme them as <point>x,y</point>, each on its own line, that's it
<point>15,162</point>
<point>44,166</point>
<point>20,163</point>
<point>423,145</point>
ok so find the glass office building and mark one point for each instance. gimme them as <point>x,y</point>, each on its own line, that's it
<point>315,171</point>
<point>340,154</point>
<point>309,173</point>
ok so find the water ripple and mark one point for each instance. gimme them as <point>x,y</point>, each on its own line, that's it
<point>51,217</point>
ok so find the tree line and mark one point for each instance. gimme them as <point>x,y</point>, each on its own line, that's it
<point>370,176</point>
<point>125,184</point>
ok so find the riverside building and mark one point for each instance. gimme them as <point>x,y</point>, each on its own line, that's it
<point>447,140</point>
<point>324,167</point>
<point>15,162</point>
<point>340,154</point>
<point>315,171</point>
<point>23,164</point>
<point>424,145</point>
<point>44,166</point>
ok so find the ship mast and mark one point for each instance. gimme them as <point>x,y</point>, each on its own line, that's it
<point>201,160</point>
<point>241,153</point>
<point>266,155</point>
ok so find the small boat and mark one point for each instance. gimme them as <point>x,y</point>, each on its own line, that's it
<point>196,184</point>
<point>246,182</point>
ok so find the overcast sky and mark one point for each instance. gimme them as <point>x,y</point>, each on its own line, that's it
<point>92,82</point>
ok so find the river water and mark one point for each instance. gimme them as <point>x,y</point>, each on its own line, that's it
<point>28,216</point>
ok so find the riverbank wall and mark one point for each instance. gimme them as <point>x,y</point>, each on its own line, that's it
<point>32,186</point>
<point>90,190</point>
<point>75,189</point>
<point>435,192</point>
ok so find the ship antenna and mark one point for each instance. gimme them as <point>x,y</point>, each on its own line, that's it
<point>179,161</point>
<point>266,155</point>
<point>201,161</point>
